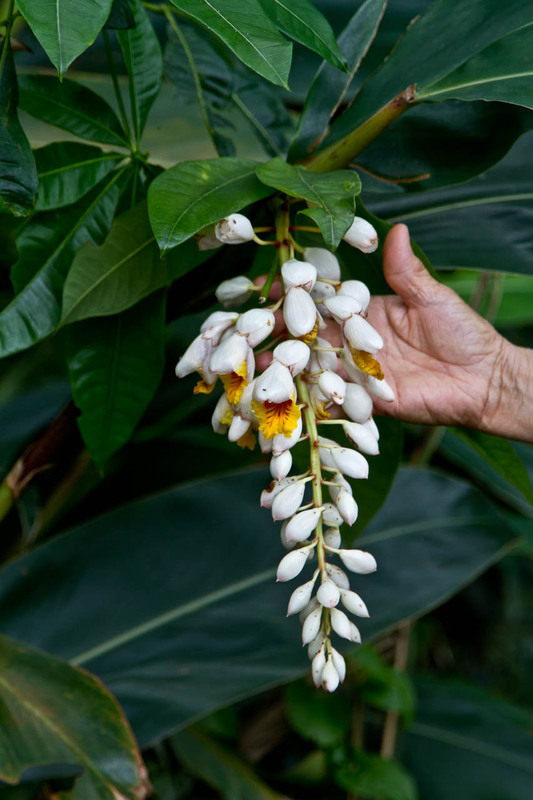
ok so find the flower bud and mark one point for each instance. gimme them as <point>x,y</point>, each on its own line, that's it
<point>327,358</point>
<point>357,403</point>
<point>268,495</point>
<point>332,538</point>
<point>331,516</point>
<point>361,437</point>
<point>193,358</point>
<point>292,564</point>
<point>340,623</point>
<point>338,576</point>
<point>343,484</point>
<point>362,234</point>
<point>288,501</point>
<point>299,312</point>
<point>361,335</point>
<point>234,229</point>
<point>346,506</point>
<point>372,427</point>
<point>230,355</point>
<point>358,291</point>
<point>301,526</point>
<point>234,291</point>
<point>350,463</point>
<point>264,443</point>
<point>280,465</point>
<point>216,324</point>
<point>275,385</point>
<point>300,598</point>
<point>208,242</point>
<point>316,645</point>
<point>256,324</point>
<point>358,561</point>
<point>317,666</point>
<point>354,603</point>
<point>332,386</point>
<point>328,594</point>
<point>340,664</point>
<point>238,428</point>
<point>293,354</point>
<point>342,307</point>
<point>330,676</point>
<point>326,264</point>
<point>311,626</point>
<point>312,605</point>
<point>321,291</point>
<point>298,273</point>
<point>222,415</point>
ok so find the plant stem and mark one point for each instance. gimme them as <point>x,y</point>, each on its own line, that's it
<point>116,87</point>
<point>6,43</point>
<point>342,153</point>
<point>401,652</point>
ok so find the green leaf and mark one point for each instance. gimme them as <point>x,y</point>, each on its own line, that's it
<point>488,742</point>
<point>72,107</point>
<point>247,31</point>
<point>18,176</point>
<point>381,685</point>
<point>266,113</point>
<point>329,86</point>
<point>333,193</point>
<point>220,768</point>
<point>212,614</point>
<point>47,245</point>
<point>194,194</point>
<point>372,776</point>
<point>144,63</point>
<point>499,454</point>
<point>59,29</point>
<point>441,144</point>
<point>68,170</point>
<point>300,20</point>
<point>431,49</point>
<point>502,71</point>
<point>125,269</point>
<point>56,713</point>
<point>323,719</point>
<point>115,366</point>
<point>120,16</point>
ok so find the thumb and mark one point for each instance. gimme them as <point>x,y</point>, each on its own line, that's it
<point>405,273</point>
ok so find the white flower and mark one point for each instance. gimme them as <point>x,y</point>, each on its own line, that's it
<point>238,427</point>
<point>347,461</point>
<point>280,465</point>
<point>288,501</point>
<point>332,537</point>
<point>332,386</point>
<point>354,603</point>
<point>379,388</point>
<point>372,427</point>
<point>346,506</point>
<point>268,495</point>
<point>216,324</point>
<point>292,564</point>
<point>362,234</point>
<point>338,576</point>
<point>275,385</point>
<point>361,335</point>
<point>293,354</point>
<point>194,357</point>
<point>321,291</point>
<point>256,324</point>
<point>300,597</point>
<point>299,312</point>
<point>281,442</point>
<point>317,666</point>
<point>330,676</point>
<point>340,623</point>
<point>342,307</point>
<point>235,291</point>
<point>316,645</point>
<point>234,229</point>
<point>358,291</point>
<point>264,443</point>
<point>231,355</point>
<point>331,516</point>
<point>358,561</point>
<point>328,594</point>
<point>208,242</point>
<point>340,664</point>
<point>357,403</point>
<point>302,525</point>
<point>222,415</point>
<point>361,437</point>
<point>311,626</point>
<point>327,265</point>
<point>298,273</point>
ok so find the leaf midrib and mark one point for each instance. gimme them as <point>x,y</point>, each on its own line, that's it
<point>427,92</point>
<point>78,164</point>
<point>308,27</point>
<point>478,201</point>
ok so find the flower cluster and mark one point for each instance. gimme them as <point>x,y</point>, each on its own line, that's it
<point>323,371</point>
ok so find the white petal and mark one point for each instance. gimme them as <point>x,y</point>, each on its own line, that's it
<point>350,462</point>
<point>217,323</point>
<point>293,354</point>
<point>342,307</point>
<point>193,358</point>
<point>332,537</point>
<point>332,386</point>
<point>338,576</point>
<point>340,664</point>
<point>316,645</point>
<point>299,312</point>
<point>275,384</point>
<point>301,526</point>
<point>328,594</point>
<point>372,427</point>
<point>234,229</point>
<point>230,355</point>
<point>234,291</point>
<point>256,324</point>
<point>327,359</point>
<point>264,444</point>
<point>312,605</point>
<point>354,603</point>
<point>268,495</point>
<point>221,409</point>
<point>327,265</point>
<point>357,403</point>
<point>363,235</point>
<point>311,626</point>
<point>300,598</point>
<point>346,506</point>
<point>280,465</point>
<point>361,437</point>
<point>358,561</point>
<point>331,516</point>
<point>291,565</point>
<point>280,442</point>
<point>358,291</point>
<point>317,666</point>
<point>288,501</point>
<point>340,623</point>
<point>208,242</point>
<point>361,335</point>
<point>330,676</point>
<point>343,484</point>
<point>321,291</point>
<point>238,428</point>
<point>380,389</point>
<point>298,273</point>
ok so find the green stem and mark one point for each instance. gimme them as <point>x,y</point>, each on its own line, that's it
<point>9,24</point>
<point>195,74</point>
<point>6,500</point>
<point>342,153</point>
<point>116,87</point>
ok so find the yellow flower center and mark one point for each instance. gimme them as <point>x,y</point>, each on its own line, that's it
<point>234,384</point>
<point>309,337</point>
<point>247,440</point>
<point>274,418</point>
<point>202,387</point>
<point>367,363</point>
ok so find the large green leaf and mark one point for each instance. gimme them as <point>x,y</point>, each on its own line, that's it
<point>300,20</point>
<point>193,194</point>
<point>219,767</point>
<point>18,176</point>
<point>72,107</point>
<point>488,741</point>
<point>115,365</point>
<point>47,245</point>
<point>441,144</point>
<point>332,194</point>
<point>247,31</point>
<point>144,62</point>
<point>125,269</point>
<point>488,217</point>
<point>373,777</point>
<point>63,28</point>
<point>52,712</point>
<point>265,111</point>
<point>432,48</point>
<point>120,16</point>
<point>503,71</point>
<point>329,86</point>
<point>176,636</point>
<point>68,170</point>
